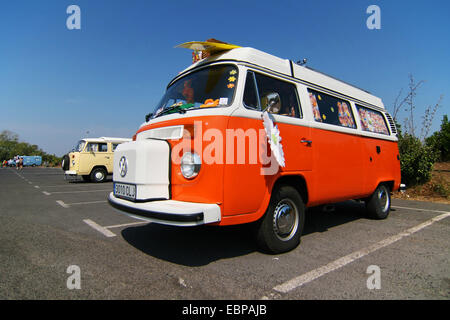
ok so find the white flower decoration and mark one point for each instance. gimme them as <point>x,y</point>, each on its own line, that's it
<point>273,134</point>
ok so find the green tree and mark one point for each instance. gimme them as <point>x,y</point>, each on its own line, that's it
<point>440,140</point>
<point>416,157</point>
<point>10,147</point>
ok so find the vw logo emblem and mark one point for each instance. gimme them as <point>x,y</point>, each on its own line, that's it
<point>123,166</point>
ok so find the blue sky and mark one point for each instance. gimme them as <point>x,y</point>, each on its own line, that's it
<point>56,84</point>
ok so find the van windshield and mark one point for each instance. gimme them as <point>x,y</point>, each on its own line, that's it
<point>80,146</point>
<point>206,88</point>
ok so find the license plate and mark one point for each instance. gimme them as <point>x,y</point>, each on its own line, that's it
<point>124,190</point>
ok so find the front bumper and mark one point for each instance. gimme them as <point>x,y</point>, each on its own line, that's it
<point>70,172</point>
<point>169,212</point>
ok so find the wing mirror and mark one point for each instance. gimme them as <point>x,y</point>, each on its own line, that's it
<point>271,102</point>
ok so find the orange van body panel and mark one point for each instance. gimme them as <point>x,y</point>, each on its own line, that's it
<point>382,166</point>
<point>335,166</point>
<point>208,186</point>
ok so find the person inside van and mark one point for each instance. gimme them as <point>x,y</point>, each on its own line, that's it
<point>92,147</point>
<point>289,110</point>
<point>188,92</point>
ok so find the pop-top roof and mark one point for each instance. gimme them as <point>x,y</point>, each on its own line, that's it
<point>106,139</point>
<point>286,67</point>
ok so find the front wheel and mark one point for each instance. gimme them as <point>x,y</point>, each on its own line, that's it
<point>282,225</point>
<point>379,203</point>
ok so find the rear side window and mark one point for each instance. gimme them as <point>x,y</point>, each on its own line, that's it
<point>114,146</point>
<point>103,147</point>
<point>331,110</point>
<point>372,121</point>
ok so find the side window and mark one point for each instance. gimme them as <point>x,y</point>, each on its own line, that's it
<point>103,147</point>
<point>92,147</point>
<point>269,88</point>
<point>114,146</point>
<point>250,94</point>
<point>97,147</point>
<point>372,121</point>
<point>331,110</point>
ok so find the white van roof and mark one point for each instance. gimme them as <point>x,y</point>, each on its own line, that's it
<point>288,68</point>
<point>107,139</point>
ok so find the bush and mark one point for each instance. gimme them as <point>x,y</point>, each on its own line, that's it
<point>440,141</point>
<point>416,160</point>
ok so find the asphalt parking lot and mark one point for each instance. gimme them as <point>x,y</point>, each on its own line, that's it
<point>48,224</point>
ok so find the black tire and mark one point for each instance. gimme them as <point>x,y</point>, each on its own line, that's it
<point>281,227</point>
<point>98,175</point>
<point>65,162</point>
<point>378,205</point>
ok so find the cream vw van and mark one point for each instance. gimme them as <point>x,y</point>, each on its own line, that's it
<point>243,136</point>
<point>92,158</point>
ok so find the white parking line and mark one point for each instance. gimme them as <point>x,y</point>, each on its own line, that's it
<point>46,193</point>
<point>62,204</point>
<point>339,263</point>
<point>76,185</point>
<point>89,202</point>
<point>84,191</point>
<point>99,228</point>
<point>418,209</point>
<point>127,224</point>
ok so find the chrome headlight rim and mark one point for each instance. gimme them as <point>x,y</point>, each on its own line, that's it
<point>190,165</point>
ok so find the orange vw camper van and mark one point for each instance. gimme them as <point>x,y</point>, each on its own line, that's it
<point>243,136</point>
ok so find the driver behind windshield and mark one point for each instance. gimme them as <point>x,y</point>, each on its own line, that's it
<point>188,92</point>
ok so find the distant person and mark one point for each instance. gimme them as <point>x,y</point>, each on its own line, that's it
<point>20,163</point>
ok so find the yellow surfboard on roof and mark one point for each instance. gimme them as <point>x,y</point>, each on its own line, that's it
<point>211,47</point>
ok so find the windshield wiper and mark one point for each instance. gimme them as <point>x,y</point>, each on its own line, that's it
<point>180,108</point>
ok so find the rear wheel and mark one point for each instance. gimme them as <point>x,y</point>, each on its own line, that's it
<point>282,225</point>
<point>379,203</point>
<point>98,175</point>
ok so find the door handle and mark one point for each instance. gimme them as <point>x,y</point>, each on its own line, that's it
<point>306,141</point>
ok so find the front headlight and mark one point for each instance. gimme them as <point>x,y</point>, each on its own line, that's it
<point>190,165</point>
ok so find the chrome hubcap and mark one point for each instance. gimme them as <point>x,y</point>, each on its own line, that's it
<point>383,199</point>
<point>99,175</point>
<point>285,219</point>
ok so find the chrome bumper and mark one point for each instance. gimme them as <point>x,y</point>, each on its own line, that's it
<point>169,212</point>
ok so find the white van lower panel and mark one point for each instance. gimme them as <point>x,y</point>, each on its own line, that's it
<point>169,212</point>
